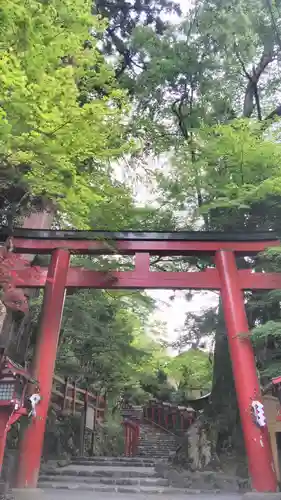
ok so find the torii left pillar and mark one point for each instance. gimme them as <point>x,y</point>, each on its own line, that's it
<point>43,368</point>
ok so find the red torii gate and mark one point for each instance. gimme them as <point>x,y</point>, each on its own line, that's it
<point>226,277</point>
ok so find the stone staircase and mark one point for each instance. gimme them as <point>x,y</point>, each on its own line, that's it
<point>156,444</point>
<point>103,474</point>
<point>120,474</point>
<point>148,473</point>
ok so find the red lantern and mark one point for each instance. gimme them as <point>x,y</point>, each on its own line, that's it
<point>13,401</point>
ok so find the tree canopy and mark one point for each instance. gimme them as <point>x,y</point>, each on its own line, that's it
<point>57,134</point>
<point>196,106</point>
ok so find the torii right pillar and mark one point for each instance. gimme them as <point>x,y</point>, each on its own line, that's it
<point>257,441</point>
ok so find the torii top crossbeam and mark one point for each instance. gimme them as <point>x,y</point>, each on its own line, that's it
<point>142,245</point>
<point>130,242</point>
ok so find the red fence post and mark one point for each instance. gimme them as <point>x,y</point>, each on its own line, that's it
<point>127,439</point>
<point>132,435</point>
<point>182,421</point>
<point>152,413</point>
<point>132,440</point>
<point>73,397</point>
<point>43,368</point>
<point>244,370</point>
<point>83,425</point>
<point>174,418</point>
<point>65,394</point>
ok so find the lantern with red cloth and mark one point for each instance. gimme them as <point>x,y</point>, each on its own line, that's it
<point>13,400</point>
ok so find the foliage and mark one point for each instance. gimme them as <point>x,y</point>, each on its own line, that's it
<point>96,341</point>
<point>224,41</point>
<point>123,18</point>
<point>61,437</point>
<point>236,168</point>
<point>51,146</point>
<point>157,385</point>
<point>191,370</point>
<point>109,439</point>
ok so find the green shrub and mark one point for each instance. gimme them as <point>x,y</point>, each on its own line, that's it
<point>109,437</point>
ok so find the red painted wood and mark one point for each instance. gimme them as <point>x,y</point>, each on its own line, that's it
<point>164,247</point>
<point>259,281</point>
<point>159,411</point>
<point>226,277</point>
<point>142,263</point>
<point>5,413</point>
<point>84,278</point>
<point>205,280</point>
<point>257,441</point>
<point>182,421</point>
<point>131,434</point>
<point>44,363</point>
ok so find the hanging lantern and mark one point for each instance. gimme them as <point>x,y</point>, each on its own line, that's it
<point>13,384</point>
<point>13,401</point>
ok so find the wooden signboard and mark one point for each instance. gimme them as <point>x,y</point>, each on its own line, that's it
<point>90,418</point>
<point>272,408</point>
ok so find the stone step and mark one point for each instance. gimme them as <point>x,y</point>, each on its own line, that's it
<point>137,462</point>
<point>123,481</point>
<point>147,445</point>
<point>165,437</point>
<point>158,457</point>
<point>84,471</point>
<point>157,440</point>
<point>150,451</point>
<point>147,490</point>
<point>146,454</point>
<point>159,435</point>
<point>122,459</point>
<point>164,444</point>
<point>153,454</point>
<point>155,448</point>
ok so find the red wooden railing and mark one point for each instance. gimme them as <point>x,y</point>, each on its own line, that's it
<point>169,418</point>
<point>67,398</point>
<point>131,437</point>
<point>175,419</point>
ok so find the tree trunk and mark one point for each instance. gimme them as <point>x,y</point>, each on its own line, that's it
<point>14,336</point>
<point>215,439</point>
<point>223,409</point>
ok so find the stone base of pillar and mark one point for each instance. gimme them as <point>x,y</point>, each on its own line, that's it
<point>28,494</point>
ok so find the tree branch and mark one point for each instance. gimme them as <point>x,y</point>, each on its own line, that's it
<point>241,62</point>
<point>252,88</point>
<point>269,6</point>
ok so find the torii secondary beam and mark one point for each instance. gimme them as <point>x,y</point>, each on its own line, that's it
<point>78,277</point>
